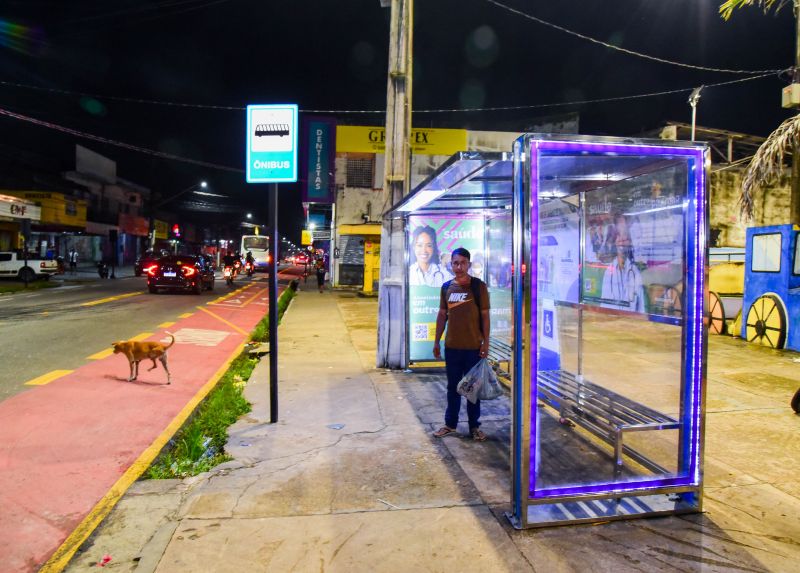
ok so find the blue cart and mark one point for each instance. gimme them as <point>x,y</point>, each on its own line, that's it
<point>771,306</point>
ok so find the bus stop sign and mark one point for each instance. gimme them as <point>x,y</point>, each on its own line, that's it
<point>272,143</point>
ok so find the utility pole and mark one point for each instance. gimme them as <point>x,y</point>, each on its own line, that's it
<point>398,102</point>
<point>396,184</point>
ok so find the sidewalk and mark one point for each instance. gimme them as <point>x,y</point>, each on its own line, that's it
<point>350,478</point>
<point>88,272</point>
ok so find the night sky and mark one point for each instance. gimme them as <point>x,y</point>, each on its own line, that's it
<point>332,55</point>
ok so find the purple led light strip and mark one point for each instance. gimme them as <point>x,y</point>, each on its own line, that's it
<point>694,348</point>
<point>532,270</point>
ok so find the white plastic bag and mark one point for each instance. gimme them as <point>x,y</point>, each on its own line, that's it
<point>480,383</point>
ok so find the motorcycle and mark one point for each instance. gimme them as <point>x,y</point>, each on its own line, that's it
<point>102,270</point>
<point>249,269</point>
<point>229,272</point>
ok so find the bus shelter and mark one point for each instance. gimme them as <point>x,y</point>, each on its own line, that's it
<point>595,253</point>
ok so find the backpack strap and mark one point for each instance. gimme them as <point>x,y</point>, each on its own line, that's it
<point>445,286</point>
<point>475,287</point>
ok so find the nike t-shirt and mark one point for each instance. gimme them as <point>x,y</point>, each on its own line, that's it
<point>463,326</point>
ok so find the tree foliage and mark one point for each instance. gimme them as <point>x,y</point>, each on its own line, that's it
<point>767,163</point>
<point>727,7</point>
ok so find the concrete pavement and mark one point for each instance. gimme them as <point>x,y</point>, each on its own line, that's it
<point>350,478</point>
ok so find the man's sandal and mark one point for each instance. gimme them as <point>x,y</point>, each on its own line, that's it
<point>477,435</point>
<point>443,431</point>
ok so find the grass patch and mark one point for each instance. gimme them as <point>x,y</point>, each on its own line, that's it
<point>261,331</point>
<point>7,287</point>
<point>200,444</point>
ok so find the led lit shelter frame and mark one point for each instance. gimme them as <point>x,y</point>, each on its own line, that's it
<point>594,251</point>
<point>609,349</point>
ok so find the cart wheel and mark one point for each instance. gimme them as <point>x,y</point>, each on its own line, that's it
<point>674,296</point>
<point>766,322</point>
<point>716,314</point>
<point>796,402</point>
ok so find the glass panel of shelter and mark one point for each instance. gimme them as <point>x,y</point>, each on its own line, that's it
<point>610,316</point>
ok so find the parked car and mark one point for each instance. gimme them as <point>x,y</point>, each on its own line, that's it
<point>12,264</point>
<point>147,259</point>
<point>180,272</point>
<point>301,259</point>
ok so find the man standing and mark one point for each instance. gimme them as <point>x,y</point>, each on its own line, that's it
<point>464,308</point>
<point>73,261</point>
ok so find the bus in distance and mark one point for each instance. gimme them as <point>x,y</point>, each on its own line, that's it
<point>258,245</point>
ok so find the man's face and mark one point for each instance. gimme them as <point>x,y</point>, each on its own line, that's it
<point>460,265</point>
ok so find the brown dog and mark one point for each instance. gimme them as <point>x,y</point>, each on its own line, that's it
<point>136,351</point>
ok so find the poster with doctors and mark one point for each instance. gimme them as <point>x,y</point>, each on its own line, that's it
<point>634,241</point>
<point>430,242</point>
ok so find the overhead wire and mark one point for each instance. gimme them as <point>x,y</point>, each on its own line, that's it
<point>380,111</point>
<point>621,49</point>
<point>84,135</point>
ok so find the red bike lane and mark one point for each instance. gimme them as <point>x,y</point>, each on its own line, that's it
<point>71,448</point>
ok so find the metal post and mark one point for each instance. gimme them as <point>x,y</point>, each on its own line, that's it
<point>273,304</point>
<point>794,202</point>
<point>693,99</point>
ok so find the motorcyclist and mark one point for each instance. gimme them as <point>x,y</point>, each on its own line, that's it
<point>228,259</point>
<point>249,263</point>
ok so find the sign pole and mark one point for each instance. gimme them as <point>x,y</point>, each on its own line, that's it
<point>273,304</point>
<point>272,158</point>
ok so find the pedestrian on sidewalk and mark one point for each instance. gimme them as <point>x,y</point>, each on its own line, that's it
<point>73,261</point>
<point>464,308</point>
<point>320,268</point>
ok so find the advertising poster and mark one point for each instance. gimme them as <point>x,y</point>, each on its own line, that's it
<point>430,242</point>
<point>499,235</point>
<point>634,244</point>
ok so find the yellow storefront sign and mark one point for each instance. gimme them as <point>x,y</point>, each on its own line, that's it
<point>306,237</point>
<point>363,139</point>
<point>56,208</point>
<point>161,229</point>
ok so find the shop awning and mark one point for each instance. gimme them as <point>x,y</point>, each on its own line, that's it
<point>467,181</point>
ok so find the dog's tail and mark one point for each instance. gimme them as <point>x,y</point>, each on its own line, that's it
<point>172,336</point>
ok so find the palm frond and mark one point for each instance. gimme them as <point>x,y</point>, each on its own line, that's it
<point>767,164</point>
<point>727,7</point>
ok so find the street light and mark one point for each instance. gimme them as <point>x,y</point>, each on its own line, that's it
<point>249,215</point>
<point>203,184</point>
<point>693,99</point>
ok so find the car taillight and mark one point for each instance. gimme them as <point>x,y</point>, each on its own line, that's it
<point>151,270</point>
<point>189,271</point>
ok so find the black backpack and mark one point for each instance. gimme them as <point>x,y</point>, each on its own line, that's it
<point>475,287</point>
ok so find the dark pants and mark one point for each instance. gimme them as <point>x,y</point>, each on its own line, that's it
<point>459,362</point>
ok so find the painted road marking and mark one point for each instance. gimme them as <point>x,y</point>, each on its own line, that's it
<point>109,351</point>
<point>165,324</point>
<point>233,326</point>
<point>110,299</point>
<point>200,337</point>
<point>230,294</point>
<point>47,378</point>
<point>81,533</point>
<point>186,315</point>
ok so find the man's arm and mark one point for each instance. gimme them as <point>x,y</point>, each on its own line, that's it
<point>484,352</point>
<point>441,320</point>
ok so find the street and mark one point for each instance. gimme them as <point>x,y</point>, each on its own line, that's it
<point>78,433</point>
<point>62,328</point>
